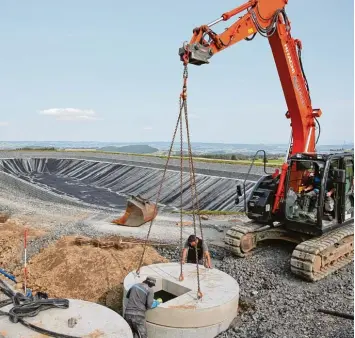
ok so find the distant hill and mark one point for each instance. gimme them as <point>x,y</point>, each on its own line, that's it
<point>135,149</point>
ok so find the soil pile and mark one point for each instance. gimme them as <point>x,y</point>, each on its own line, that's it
<point>67,269</point>
<point>12,243</point>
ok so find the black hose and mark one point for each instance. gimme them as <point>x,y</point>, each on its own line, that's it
<point>29,307</point>
<point>249,39</point>
<point>6,290</point>
<point>5,302</point>
<point>337,313</point>
<point>265,19</point>
<point>287,22</point>
<point>303,73</point>
<point>318,131</point>
<point>44,331</point>
<point>271,29</point>
<point>265,32</point>
<point>308,90</point>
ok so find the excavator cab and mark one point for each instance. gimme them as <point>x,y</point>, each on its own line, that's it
<point>138,211</point>
<point>317,189</point>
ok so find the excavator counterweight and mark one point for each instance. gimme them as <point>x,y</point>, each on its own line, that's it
<point>138,212</point>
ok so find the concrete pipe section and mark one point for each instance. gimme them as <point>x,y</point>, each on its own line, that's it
<point>87,320</point>
<point>181,314</point>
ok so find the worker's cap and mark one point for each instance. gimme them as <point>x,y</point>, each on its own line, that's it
<point>151,280</point>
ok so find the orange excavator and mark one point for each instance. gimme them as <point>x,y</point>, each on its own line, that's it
<point>311,201</point>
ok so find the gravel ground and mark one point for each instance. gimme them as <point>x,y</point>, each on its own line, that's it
<point>274,303</point>
<point>68,229</point>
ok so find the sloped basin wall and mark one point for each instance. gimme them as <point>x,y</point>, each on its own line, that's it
<point>107,183</point>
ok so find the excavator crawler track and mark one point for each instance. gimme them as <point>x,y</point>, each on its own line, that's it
<point>241,239</point>
<point>319,257</point>
<point>235,235</point>
<point>312,259</point>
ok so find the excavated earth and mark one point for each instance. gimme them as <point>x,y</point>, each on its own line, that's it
<point>73,266</point>
<point>274,303</point>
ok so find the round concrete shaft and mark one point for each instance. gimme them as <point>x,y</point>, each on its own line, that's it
<point>92,320</point>
<point>185,314</point>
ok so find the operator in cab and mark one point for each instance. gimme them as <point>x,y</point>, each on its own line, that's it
<point>311,192</point>
<point>314,182</point>
<point>190,251</point>
<point>140,299</point>
<point>329,195</point>
<point>313,188</point>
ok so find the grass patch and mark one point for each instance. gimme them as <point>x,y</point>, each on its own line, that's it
<point>210,212</point>
<point>35,149</point>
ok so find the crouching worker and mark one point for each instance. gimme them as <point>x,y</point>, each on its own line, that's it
<point>190,251</point>
<point>140,299</point>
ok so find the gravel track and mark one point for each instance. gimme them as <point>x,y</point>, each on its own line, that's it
<point>275,303</point>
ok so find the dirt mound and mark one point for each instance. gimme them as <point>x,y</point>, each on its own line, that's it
<point>12,243</point>
<point>4,217</point>
<point>68,270</point>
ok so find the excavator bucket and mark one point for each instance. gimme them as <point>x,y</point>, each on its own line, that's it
<point>138,212</point>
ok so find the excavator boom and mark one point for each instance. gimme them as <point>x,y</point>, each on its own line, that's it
<point>269,19</point>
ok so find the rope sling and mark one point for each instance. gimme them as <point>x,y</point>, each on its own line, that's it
<point>183,115</point>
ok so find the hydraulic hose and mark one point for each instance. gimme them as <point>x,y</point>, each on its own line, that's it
<point>30,307</point>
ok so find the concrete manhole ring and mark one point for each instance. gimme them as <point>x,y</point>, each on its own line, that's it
<point>181,313</point>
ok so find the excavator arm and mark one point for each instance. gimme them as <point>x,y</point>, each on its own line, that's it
<point>205,42</point>
<point>269,19</point>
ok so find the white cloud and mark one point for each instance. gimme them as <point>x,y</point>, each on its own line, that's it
<point>4,124</point>
<point>147,128</point>
<point>70,114</point>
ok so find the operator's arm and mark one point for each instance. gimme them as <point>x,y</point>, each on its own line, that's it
<point>309,188</point>
<point>331,192</point>
<point>330,188</point>
<point>150,299</point>
<point>128,293</point>
<point>184,252</point>
<point>151,302</point>
<point>207,255</point>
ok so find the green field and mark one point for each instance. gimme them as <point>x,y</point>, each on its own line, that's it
<point>210,212</point>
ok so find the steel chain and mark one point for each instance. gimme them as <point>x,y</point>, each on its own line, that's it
<point>191,172</point>
<point>194,196</point>
<point>193,201</point>
<point>195,189</point>
<point>159,191</point>
<point>181,278</point>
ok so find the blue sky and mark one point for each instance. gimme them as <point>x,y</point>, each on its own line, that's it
<point>115,66</point>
